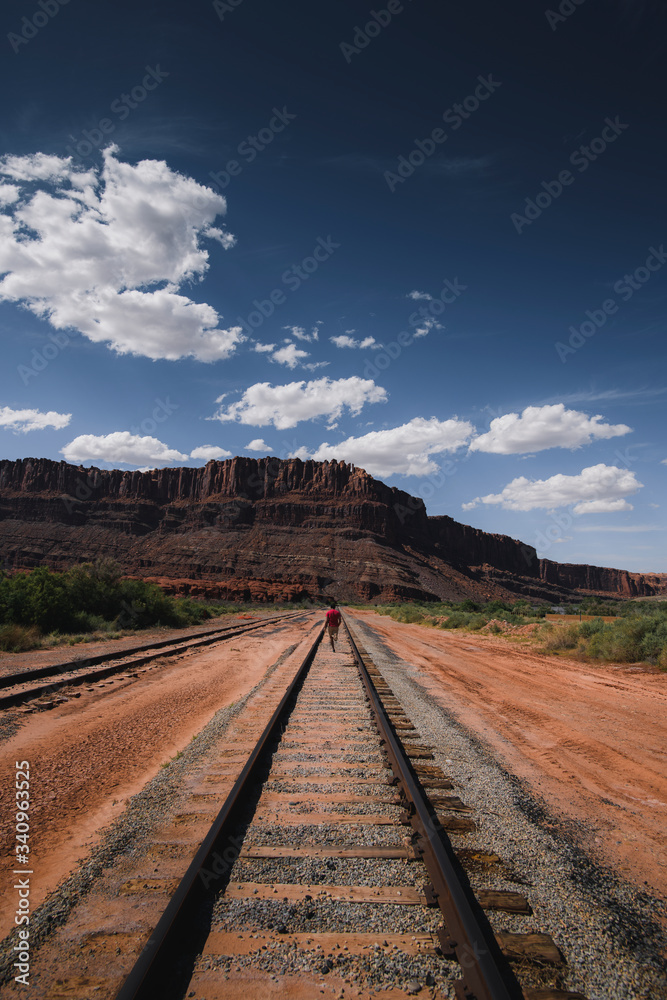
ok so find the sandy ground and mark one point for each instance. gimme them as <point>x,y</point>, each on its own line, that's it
<point>590,740</point>
<point>90,755</point>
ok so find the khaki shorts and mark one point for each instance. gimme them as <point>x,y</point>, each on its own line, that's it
<point>333,631</point>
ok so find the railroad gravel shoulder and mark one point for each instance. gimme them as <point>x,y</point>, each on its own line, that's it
<point>126,841</point>
<point>612,934</point>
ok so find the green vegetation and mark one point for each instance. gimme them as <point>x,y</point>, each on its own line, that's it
<point>90,598</point>
<point>639,633</point>
<point>464,614</point>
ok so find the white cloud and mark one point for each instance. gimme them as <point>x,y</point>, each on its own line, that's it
<point>286,405</point>
<point>209,452</point>
<point>403,450</point>
<point>105,252</point>
<point>263,348</point>
<point>541,427</point>
<point>601,506</point>
<point>121,446</point>
<point>9,193</point>
<point>289,355</point>
<point>300,334</point>
<point>597,489</point>
<point>32,420</point>
<point>344,341</point>
<point>420,296</point>
<point>36,167</point>
<point>258,444</point>
<point>426,325</point>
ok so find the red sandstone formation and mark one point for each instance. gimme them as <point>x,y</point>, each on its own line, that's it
<point>266,529</point>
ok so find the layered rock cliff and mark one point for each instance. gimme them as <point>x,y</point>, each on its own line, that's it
<point>268,529</point>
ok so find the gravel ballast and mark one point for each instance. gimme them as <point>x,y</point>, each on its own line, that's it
<point>609,931</point>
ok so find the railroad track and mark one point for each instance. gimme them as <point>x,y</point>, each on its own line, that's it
<point>39,682</point>
<point>335,867</point>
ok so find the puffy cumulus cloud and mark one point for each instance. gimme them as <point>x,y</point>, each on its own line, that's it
<point>121,446</point>
<point>343,340</point>
<point>32,420</point>
<point>541,427</point>
<point>289,355</point>
<point>287,405</point>
<point>263,348</point>
<point>597,489</point>
<point>9,193</point>
<point>36,167</point>
<point>403,450</point>
<point>258,444</point>
<point>105,252</point>
<point>209,452</point>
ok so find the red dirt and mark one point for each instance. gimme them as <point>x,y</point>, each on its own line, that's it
<point>90,755</point>
<point>590,739</point>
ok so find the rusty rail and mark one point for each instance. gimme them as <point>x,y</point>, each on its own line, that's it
<point>166,647</point>
<point>486,974</point>
<point>142,983</point>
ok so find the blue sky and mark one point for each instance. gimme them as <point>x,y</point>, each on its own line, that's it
<point>428,241</point>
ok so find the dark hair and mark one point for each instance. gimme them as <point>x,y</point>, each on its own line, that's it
<point>333,604</point>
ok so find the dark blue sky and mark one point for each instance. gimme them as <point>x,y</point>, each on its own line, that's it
<point>442,254</point>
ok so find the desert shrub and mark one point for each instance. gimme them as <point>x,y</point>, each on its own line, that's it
<point>562,638</point>
<point>464,619</point>
<point>18,638</point>
<point>587,629</point>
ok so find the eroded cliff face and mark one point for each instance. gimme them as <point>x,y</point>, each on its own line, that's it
<point>267,529</point>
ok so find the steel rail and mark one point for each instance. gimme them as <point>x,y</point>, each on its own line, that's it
<point>58,671</point>
<point>8,680</point>
<point>473,944</point>
<point>141,981</point>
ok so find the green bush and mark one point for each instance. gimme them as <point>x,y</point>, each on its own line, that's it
<point>464,619</point>
<point>91,597</point>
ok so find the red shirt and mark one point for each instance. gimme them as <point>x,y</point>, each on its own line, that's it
<point>333,618</point>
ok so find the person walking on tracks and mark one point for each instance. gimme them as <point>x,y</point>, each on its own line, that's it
<point>333,620</point>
